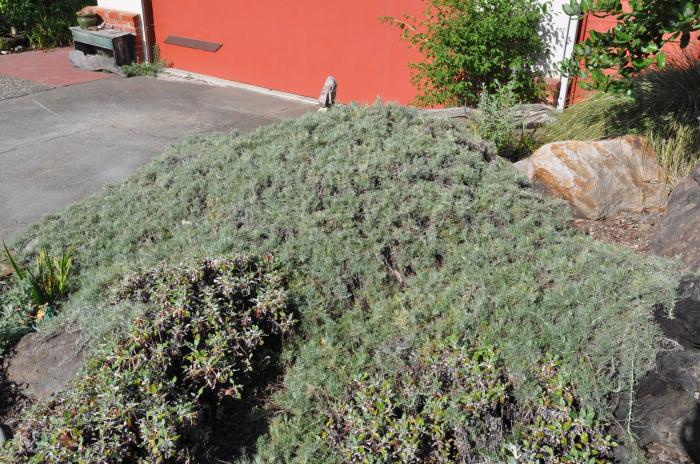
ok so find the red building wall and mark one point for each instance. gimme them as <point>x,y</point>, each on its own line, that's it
<point>293,45</point>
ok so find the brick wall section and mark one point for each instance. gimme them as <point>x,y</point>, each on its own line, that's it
<point>124,21</point>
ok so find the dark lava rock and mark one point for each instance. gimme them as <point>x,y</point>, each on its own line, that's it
<point>690,288</point>
<point>667,403</point>
<point>678,231</point>
<point>41,365</point>
<point>684,327</point>
<point>667,411</point>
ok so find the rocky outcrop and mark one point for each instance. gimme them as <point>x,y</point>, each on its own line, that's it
<point>678,231</point>
<point>667,403</point>
<point>41,365</point>
<point>600,179</point>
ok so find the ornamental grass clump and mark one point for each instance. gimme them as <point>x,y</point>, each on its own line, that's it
<point>33,293</point>
<point>48,282</point>
<point>395,232</point>
<point>159,392</point>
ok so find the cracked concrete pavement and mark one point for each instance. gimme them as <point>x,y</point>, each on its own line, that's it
<point>62,145</point>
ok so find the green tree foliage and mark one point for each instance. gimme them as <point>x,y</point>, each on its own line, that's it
<point>470,45</point>
<point>634,44</point>
<point>45,22</point>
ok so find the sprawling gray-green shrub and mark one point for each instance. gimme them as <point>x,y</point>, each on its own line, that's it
<point>395,231</point>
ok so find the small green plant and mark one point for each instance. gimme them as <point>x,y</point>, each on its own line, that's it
<point>157,393</point>
<point>496,120</point>
<point>150,69</point>
<point>470,45</point>
<point>49,282</point>
<point>84,12</point>
<point>15,320</point>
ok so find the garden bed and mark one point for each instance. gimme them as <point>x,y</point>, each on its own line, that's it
<point>405,243</point>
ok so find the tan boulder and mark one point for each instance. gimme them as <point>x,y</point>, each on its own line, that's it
<point>600,178</point>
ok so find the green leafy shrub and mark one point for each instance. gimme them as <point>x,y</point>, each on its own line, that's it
<point>396,231</point>
<point>656,109</point>
<point>45,22</point>
<point>4,29</point>
<point>154,394</point>
<point>560,429</point>
<point>634,44</point>
<point>449,404</point>
<point>473,44</point>
<point>454,404</point>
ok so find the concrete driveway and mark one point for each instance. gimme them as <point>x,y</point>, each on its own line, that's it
<point>64,144</point>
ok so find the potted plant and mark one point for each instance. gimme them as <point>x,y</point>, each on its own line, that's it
<point>86,18</point>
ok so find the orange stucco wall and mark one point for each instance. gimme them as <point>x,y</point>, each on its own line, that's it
<point>293,45</point>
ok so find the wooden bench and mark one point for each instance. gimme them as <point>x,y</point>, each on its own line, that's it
<point>120,43</point>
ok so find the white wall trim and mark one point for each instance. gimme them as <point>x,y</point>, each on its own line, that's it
<point>571,36</point>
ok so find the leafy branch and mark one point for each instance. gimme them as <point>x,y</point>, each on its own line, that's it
<point>609,61</point>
